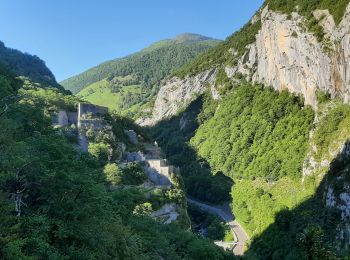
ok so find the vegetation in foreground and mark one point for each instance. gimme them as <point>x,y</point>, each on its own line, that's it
<point>64,208</point>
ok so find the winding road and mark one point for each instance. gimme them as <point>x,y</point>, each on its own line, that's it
<point>224,212</point>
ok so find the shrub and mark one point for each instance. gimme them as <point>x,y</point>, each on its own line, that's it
<point>100,151</point>
<point>144,209</point>
<point>113,173</point>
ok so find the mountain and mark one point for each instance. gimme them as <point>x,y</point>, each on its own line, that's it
<point>26,65</point>
<point>269,109</point>
<point>260,120</point>
<point>129,83</point>
<point>58,202</point>
<point>280,48</point>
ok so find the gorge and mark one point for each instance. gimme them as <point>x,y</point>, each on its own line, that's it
<point>192,148</point>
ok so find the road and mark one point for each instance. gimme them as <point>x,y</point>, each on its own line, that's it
<point>225,213</point>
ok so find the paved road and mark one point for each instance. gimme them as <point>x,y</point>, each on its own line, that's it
<point>225,214</point>
<point>222,211</point>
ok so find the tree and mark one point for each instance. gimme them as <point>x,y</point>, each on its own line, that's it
<point>100,151</point>
<point>144,209</point>
<point>134,174</point>
<point>113,173</point>
<point>312,242</point>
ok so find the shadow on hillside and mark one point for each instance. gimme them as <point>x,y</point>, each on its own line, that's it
<point>309,230</point>
<point>173,136</point>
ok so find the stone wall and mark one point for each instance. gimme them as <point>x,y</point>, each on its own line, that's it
<point>95,110</point>
<point>72,118</point>
<point>132,136</point>
<point>135,157</point>
<point>96,122</point>
<point>64,118</point>
<point>83,142</point>
<point>159,172</point>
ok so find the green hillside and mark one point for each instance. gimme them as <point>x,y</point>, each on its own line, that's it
<point>150,65</point>
<point>144,69</point>
<point>129,100</point>
<point>26,65</point>
<point>282,165</point>
<point>259,138</point>
<point>56,203</point>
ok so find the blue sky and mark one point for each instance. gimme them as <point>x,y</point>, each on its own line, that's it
<point>74,35</point>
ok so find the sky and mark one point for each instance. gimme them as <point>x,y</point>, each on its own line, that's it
<point>74,35</point>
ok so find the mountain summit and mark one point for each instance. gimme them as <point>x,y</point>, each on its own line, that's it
<point>192,37</point>
<point>129,83</point>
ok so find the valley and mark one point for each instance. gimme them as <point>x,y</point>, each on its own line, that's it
<point>191,148</point>
<point>224,211</point>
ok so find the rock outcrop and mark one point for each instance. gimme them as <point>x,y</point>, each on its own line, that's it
<point>167,214</point>
<point>177,93</point>
<point>285,56</point>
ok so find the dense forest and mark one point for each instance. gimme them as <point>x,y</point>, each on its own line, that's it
<point>56,202</point>
<point>26,65</point>
<point>283,166</point>
<point>256,132</point>
<point>174,141</point>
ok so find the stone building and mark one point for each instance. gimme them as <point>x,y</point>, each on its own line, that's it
<point>64,118</point>
<point>86,116</point>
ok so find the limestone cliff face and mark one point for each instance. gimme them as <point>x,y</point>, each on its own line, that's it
<point>177,93</point>
<point>285,55</point>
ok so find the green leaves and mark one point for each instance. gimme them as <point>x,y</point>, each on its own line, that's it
<point>67,210</point>
<point>256,132</point>
<point>144,209</point>
<point>113,174</point>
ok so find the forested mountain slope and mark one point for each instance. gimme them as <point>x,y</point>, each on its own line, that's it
<point>269,108</point>
<point>129,83</point>
<point>59,203</point>
<point>26,65</point>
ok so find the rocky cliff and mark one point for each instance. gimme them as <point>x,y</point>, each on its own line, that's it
<point>285,55</point>
<point>288,55</point>
<point>177,93</point>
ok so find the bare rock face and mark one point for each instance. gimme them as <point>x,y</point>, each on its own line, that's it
<point>285,56</point>
<point>341,202</point>
<point>177,93</point>
<point>288,57</point>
